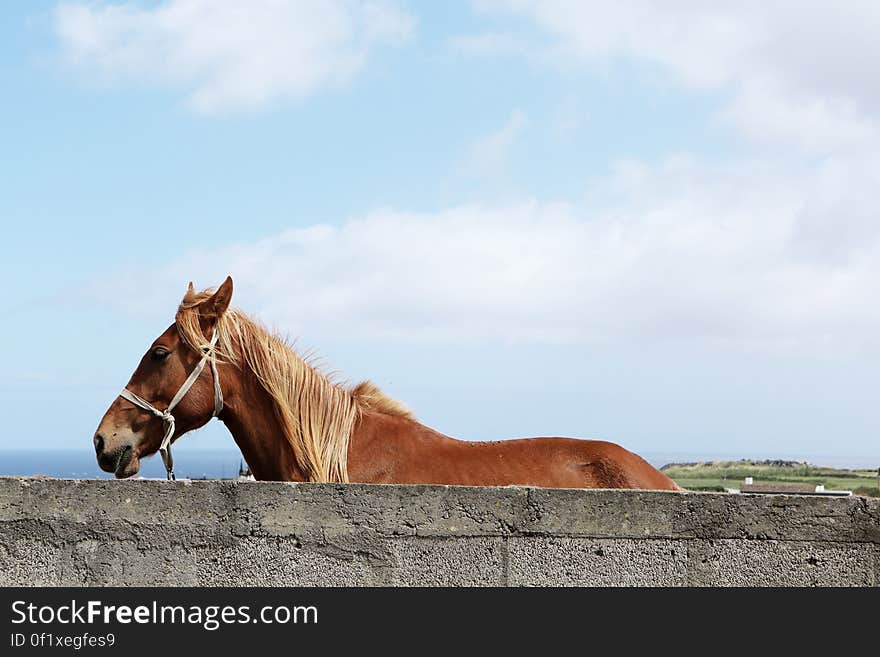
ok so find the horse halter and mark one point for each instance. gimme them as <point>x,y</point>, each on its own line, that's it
<point>167,417</point>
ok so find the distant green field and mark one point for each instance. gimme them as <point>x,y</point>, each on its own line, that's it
<point>719,475</point>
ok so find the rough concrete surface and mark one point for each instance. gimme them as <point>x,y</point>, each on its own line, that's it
<point>238,533</point>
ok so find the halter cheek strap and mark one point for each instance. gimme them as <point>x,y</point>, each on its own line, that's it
<point>166,416</point>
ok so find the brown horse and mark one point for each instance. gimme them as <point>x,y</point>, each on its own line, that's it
<point>292,423</point>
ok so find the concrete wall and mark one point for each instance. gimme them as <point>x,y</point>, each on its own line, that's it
<point>70,532</point>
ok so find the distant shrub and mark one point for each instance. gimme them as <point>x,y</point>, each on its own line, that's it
<point>867,491</point>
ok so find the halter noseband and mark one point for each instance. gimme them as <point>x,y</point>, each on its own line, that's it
<point>167,418</point>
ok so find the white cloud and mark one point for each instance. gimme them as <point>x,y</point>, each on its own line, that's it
<point>816,123</point>
<point>735,256</point>
<point>488,43</point>
<point>228,55</point>
<point>799,72</point>
<point>758,253</point>
<point>487,156</point>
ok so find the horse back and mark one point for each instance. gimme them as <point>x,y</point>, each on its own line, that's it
<point>388,449</point>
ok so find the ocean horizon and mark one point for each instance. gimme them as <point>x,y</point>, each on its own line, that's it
<point>224,463</point>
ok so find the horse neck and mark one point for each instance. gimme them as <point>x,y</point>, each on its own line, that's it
<point>249,414</point>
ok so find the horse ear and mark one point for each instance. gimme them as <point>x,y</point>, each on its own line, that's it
<point>214,306</point>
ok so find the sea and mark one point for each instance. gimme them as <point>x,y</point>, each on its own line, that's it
<point>225,463</point>
<point>81,464</point>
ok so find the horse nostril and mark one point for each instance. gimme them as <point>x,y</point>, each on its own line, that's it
<point>99,443</point>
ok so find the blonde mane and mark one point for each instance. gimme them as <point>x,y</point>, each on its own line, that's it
<point>316,414</point>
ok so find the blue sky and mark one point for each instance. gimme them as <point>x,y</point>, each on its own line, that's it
<point>520,218</point>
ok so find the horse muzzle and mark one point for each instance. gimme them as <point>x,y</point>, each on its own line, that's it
<point>122,461</point>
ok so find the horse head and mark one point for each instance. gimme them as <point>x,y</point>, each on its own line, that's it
<point>169,393</point>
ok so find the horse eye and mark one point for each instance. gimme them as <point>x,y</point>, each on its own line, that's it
<point>160,353</point>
